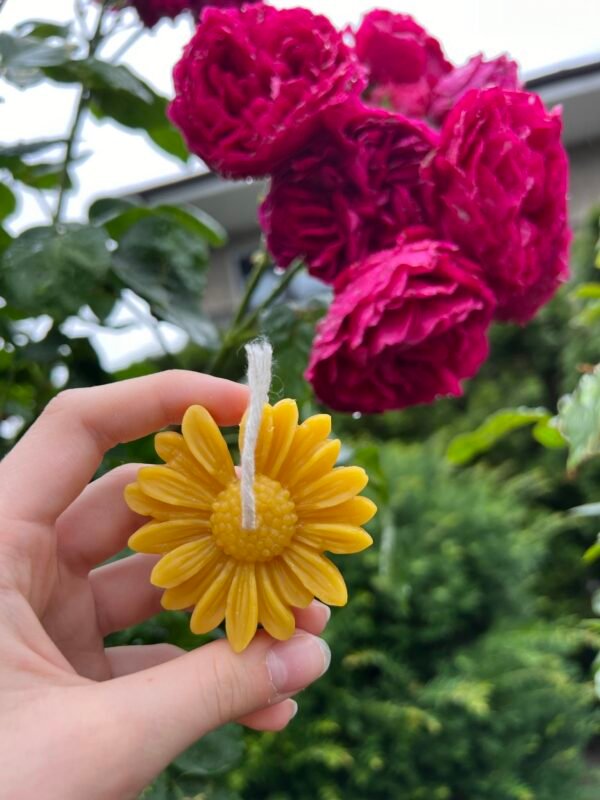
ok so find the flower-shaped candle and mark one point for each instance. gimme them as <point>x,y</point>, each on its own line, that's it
<point>304,506</point>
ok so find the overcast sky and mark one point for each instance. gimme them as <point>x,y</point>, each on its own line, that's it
<point>537,33</point>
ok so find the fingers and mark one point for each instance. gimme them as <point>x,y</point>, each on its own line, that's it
<point>133,658</point>
<point>179,701</point>
<point>58,456</point>
<point>274,718</point>
<point>99,522</point>
<point>314,618</point>
<point>123,593</point>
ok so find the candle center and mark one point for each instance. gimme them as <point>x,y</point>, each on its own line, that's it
<point>275,521</point>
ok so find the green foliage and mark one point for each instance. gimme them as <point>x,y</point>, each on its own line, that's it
<point>54,271</point>
<point>192,773</point>
<point>466,446</point>
<point>437,690</point>
<point>578,416</point>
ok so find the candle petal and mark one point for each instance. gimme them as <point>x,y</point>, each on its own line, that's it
<point>210,608</point>
<point>357,511</point>
<point>168,486</point>
<point>309,435</point>
<point>320,463</point>
<point>336,538</point>
<point>173,450</point>
<point>285,424</point>
<point>206,442</point>
<point>334,488</point>
<point>317,573</point>
<point>289,586</point>
<point>242,607</point>
<point>141,503</point>
<point>181,563</point>
<point>161,537</point>
<point>189,592</point>
<point>274,613</point>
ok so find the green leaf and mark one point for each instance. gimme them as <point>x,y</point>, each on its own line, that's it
<point>586,510</point>
<point>291,329</point>
<point>119,215</point>
<point>547,434</point>
<point>107,208</point>
<point>579,419</point>
<point>213,754</point>
<point>101,76</point>
<point>133,113</point>
<point>28,148</point>
<point>23,57</point>
<point>118,93</point>
<point>163,788</point>
<point>55,272</point>
<point>467,446</point>
<point>589,316</point>
<point>165,263</point>
<point>592,554</point>
<point>198,222</point>
<point>8,202</point>
<point>5,240</point>
<point>42,29</point>
<point>586,291</point>
<point>37,176</point>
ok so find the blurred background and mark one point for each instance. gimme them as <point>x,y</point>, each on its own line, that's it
<point>464,665</point>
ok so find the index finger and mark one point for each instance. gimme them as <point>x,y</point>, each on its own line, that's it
<point>60,453</point>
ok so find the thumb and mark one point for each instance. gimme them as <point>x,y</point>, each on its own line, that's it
<point>163,710</point>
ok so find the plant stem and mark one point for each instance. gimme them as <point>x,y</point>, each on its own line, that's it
<point>80,108</point>
<point>129,42</point>
<point>241,322</point>
<point>283,284</point>
<point>258,271</point>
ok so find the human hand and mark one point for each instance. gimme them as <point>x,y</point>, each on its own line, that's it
<point>78,720</point>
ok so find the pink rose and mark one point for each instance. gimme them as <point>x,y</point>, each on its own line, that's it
<point>406,326</point>
<point>404,61</point>
<point>351,191</point>
<point>152,11</point>
<point>498,188</point>
<point>253,82</point>
<point>477,73</point>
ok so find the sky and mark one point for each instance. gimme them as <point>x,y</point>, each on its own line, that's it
<point>537,33</point>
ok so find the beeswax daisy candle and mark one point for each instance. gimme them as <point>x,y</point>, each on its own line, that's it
<point>304,505</point>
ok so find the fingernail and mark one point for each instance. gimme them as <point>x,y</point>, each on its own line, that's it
<point>294,664</point>
<point>325,609</point>
<point>294,709</point>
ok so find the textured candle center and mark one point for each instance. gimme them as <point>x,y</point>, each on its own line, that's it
<point>275,521</point>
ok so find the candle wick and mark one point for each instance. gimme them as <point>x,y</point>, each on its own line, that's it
<point>260,360</point>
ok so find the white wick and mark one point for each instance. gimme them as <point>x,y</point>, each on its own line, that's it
<point>260,358</point>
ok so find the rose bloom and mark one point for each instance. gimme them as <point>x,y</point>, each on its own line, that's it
<point>152,11</point>
<point>477,73</point>
<point>498,188</point>
<point>406,326</point>
<point>349,192</point>
<point>253,82</point>
<point>404,61</point>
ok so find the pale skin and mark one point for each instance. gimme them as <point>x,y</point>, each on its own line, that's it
<point>78,720</point>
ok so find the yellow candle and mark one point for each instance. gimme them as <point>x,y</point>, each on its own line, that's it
<point>304,506</point>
